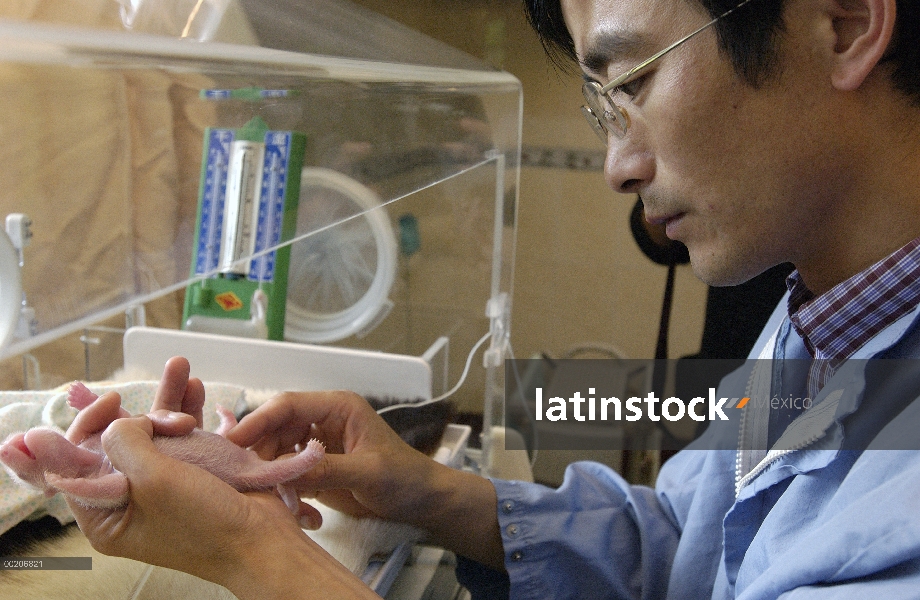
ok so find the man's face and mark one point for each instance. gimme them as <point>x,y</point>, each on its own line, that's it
<point>740,175</point>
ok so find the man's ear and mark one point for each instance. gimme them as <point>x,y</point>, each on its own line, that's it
<point>863,30</point>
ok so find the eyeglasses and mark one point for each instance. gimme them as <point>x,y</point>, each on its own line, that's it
<point>614,119</point>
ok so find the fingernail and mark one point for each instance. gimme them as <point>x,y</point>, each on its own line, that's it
<point>306,522</point>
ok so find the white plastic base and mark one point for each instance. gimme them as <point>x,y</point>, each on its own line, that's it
<point>270,365</point>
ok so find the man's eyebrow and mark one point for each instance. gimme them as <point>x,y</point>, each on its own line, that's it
<point>607,46</point>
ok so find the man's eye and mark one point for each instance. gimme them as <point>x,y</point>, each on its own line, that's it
<point>631,88</point>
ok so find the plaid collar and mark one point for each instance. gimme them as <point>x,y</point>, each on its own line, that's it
<point>837,323</point>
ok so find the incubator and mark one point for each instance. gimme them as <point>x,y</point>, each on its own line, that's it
<point>292,195</point>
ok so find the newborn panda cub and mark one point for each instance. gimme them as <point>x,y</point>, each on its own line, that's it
<point>43,458</point>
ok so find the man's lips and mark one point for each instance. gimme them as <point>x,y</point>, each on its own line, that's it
<point>671,222</point>
<point>663,219</point>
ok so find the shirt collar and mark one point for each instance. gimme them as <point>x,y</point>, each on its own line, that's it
<point>838,322</point>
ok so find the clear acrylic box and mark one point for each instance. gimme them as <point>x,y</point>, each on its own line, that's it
<point>405,225</point>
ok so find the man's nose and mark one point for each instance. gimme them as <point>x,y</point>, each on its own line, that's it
<point>629,166</point>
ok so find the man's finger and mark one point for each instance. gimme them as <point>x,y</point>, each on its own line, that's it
<point>129,444</point>
<point>193,400</point>
<point>95,417</point>
<point>170,423</point>
<point>334,472</point>
<point>295,412</point>
<point>178,393</point>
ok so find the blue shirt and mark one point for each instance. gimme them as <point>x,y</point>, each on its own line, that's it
<point>820,523</point>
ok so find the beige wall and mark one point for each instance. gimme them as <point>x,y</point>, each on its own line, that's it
<point>578,275</point>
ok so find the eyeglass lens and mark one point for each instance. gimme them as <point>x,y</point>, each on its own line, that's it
<point>602,114</point>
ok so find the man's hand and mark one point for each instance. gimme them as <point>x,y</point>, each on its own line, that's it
<point>181,517</point>
<point>370,471</point>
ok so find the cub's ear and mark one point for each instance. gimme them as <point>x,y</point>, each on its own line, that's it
<point>863,31</point>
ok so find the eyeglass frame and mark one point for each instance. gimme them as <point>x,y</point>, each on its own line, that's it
<point>617,121</point>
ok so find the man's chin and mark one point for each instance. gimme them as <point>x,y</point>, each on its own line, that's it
<point>721,273</point>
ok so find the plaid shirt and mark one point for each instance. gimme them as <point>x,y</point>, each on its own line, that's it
<point>837,323</point>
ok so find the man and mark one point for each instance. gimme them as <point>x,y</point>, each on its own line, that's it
<point>785,131</point>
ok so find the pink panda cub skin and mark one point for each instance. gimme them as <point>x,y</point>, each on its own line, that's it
<point>43,458</point>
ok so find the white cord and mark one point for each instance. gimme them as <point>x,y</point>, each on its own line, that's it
<point>447,394</point>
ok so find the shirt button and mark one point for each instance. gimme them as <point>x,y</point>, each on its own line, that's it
<point>512,529</point>
<point>517,555</point>
<point>507,506</point>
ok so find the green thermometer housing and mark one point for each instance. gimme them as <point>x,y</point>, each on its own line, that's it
<point>247,206</point>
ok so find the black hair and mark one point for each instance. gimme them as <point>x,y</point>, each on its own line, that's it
<point>748,37</point>
<point>904,50</point>
<point>545,16</point>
